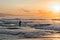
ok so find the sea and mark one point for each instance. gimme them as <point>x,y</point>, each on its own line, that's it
<point>29,29</point>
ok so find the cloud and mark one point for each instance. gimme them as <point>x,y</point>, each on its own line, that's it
<point>5,15</point>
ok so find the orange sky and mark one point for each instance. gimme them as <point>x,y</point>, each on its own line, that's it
<point>29,8</point>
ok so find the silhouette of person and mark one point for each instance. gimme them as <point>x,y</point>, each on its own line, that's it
<point>19,23</point>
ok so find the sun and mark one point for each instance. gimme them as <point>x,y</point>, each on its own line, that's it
<point>55,7</point>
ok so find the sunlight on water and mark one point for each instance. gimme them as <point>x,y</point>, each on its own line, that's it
<point>41,39</point>
<point>53,35</point>
<point>56,39</point>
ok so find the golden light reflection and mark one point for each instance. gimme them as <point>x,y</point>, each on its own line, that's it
<point>56,39</point>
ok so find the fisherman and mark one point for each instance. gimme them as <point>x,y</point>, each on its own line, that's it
<point>19,23</point>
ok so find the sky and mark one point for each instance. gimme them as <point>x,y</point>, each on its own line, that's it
<point>28,4</point>
<point>25,8</point>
